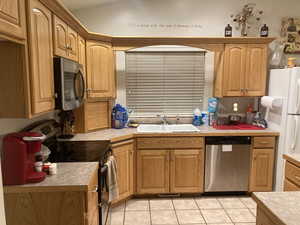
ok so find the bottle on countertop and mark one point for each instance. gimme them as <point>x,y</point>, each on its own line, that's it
<point>249,114</point>
<point>264,31</point>
<point>228,31</point>
<point>197,120</point>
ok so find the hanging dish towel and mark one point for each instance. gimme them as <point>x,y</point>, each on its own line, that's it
<point>111,177</point>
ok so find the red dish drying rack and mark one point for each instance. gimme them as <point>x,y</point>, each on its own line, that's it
<point>241,126</point>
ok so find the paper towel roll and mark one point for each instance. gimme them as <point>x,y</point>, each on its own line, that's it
<point>271,102</point>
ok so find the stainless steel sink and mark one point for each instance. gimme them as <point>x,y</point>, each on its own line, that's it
<point>172,128</point>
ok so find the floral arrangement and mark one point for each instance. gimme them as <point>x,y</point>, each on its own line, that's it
<point>247,17</point>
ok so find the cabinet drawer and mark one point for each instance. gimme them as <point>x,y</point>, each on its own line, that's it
<point>292,173</point>
<point>170,143</point>
<point>123,146</point>
<point>289,186</point>
<point>264,142</point>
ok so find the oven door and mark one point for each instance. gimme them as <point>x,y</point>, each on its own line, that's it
<point>73,87</point>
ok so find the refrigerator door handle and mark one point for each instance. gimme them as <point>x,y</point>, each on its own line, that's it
<point>298,97</point>
<point>296,131</point>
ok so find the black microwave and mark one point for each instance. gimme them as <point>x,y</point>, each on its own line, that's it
<point>69,84</point>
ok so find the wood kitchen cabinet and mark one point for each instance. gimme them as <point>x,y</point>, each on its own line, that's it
<point>100,70</point>
<point>124,154</point>
<point>234,69</point>
<point>265,218</point>
<point>92,116</point>
<point>186,171</point>
<point>82,55</point>
<point>262,164</point>
<point>65,40</point>
<point>292,177</point>
<point>41,58</point>
<point>26,80</point>
<point>170,165</point>
<point>12,18</point>
<point>153,171</point>
<point>74,203</point>
<point>244,70</point>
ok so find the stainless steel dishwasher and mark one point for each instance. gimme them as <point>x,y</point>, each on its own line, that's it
<point>227,164</point>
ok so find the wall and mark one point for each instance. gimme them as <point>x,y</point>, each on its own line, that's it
<point>119,17</point>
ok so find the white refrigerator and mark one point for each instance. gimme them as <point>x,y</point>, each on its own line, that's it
<point>285,84</point>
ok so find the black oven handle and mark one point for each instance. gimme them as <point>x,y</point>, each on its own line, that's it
<point>79,75</point>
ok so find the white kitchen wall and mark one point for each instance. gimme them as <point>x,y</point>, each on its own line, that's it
<point>120,17</point>
<point>179,17</point>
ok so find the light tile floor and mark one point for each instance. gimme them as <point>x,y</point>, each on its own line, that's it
<point>185,211</point>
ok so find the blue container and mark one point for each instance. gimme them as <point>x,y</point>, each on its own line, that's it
<point>119,117</point>
<point>212,105</point>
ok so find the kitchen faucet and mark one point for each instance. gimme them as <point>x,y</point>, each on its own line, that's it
<point>163,119</point>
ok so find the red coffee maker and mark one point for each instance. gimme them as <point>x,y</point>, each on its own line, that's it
<point>18,158</point>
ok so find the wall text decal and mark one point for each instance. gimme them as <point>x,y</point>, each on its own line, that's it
<point>166,26</point>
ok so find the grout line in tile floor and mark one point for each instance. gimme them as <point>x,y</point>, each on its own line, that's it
<point>225,209</point>
<point>199,210</point>
<point>150,211</point>
<point>175,210</point>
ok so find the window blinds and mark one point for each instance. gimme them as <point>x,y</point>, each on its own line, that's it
<point>168,83</point>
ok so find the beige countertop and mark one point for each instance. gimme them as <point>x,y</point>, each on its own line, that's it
<point>293,158</point>
<point>284,206</point>
<point>74,176</point>
<point>115,135</point>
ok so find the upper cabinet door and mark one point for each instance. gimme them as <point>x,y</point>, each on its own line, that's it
<point>99,70</point>
<point>41,57</point>
<point>82,55</point>
<point>256,70</point>
<point>12,18</point>
<point>234,70</point>
<point>61,37</point>
<point>72,44</point>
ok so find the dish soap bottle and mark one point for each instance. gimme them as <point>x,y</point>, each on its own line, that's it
<point>197,120</point>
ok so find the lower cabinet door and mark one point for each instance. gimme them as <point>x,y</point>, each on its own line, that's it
<point>123,153</point>
<point>152,171</point>
<point>262,167</point>
<point>186,171</point>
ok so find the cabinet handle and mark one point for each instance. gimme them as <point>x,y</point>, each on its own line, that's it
<point>263,142</point>
<point>95,190</point>
<point>35,10</point>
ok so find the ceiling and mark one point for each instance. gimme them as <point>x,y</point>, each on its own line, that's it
<point>80,4</point>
